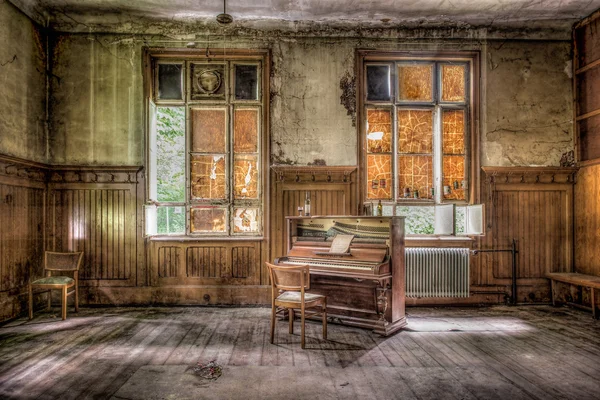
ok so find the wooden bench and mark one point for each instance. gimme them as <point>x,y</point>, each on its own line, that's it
<point>590,281</point>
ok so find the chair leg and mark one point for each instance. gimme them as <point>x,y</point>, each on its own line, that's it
<point>49,299</point>
<point>76,298</point>
<point>272,322</point>
<point>291,315</point>
<point>30,301</point>
<point>302,328</point>
<point>325,321</point>
<point>64,303</point>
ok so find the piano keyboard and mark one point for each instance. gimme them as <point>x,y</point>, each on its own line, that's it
<point>344,265</point>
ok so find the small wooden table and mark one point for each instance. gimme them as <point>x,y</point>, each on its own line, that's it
<point>590,281</point>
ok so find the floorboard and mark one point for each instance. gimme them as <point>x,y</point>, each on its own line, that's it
<point>536,352</point>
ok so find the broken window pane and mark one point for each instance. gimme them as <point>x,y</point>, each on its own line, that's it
<point>170,81</point>
<point>453,138</point>
<point>170,154</point>
<point>170,220</point>
<point>245,177</point>
<point>453,83</point>
<point>207,180</point>
<point>454,181</point>
<point>208,219</point>
<point>379,131</point>
<point>415,177</point>
<point>209,129</point>
<point>246,82</point>
<point>378,83</point>
<point>245,220</point>
<point>415,131</point>
<point>379,176</point>
<point>415,82</point>
<point>245,130</point>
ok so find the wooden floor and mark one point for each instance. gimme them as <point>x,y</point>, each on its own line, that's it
<point>501,352</point>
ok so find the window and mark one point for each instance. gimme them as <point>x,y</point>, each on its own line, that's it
<point>206,138</point>
<point>417,124</point>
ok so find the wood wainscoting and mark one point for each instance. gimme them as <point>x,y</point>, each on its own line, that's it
<point>22,201</point>
<point>332,192</point>
<point>533,206</point>
<point>587,219</point>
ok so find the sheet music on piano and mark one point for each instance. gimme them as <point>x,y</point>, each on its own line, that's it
<point>341,244</point>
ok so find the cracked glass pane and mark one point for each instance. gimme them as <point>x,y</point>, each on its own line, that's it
<point>379,131</point>
<point>379,176</point>
<point>415,131</point>
<point>453,169</point>
<point>209,129</point>
<point>245,220</point>
<point>415,176</point>
<point>454,132</point>
<point>208,219</point>
<point>207,180</point>
<point>453,83</point>
<point>245,176</point>
<point>170,81</point>
<point>245,130</point>
<point>415,82</point>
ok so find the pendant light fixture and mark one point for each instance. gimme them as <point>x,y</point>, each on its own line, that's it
<point>224,18</point>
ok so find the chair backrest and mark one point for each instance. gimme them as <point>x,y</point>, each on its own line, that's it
<point>55,261</point>
<point>289,277</point>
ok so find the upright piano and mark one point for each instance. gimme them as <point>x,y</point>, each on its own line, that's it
<point>365,286</point>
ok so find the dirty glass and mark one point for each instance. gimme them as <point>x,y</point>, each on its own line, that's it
<point>208,220</point>
<point>245,220</point>
<point>170,220</point>
<point>379,131</point>
<point>419,220</point>
<point>453,83</point>
<point>453,170</point>
<point>245,176</point>
<point>245,130</point>
<point>415,131</point>
<point>415,176</point>
<point>207,179</point>
<point>170,81</point>
<point>453,135</point>
<point>246,82</point>
<point>378,83</point>
<point>379,176</point>
<point>415,82</point>
<point>209,129</point>
<point>170,154</point>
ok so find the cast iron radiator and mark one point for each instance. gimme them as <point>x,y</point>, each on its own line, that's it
<point>437,272</point>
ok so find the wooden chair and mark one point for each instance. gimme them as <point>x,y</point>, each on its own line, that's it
<point>63,262</point>
<point>288,291</point>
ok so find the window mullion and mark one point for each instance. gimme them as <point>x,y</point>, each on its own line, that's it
<point>395,150</point>
<point>437,153</point>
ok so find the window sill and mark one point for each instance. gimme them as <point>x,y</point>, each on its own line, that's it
<point>182,239</point>
<point>439,241</point>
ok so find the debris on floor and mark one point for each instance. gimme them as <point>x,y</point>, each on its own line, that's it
<point>211,370</point>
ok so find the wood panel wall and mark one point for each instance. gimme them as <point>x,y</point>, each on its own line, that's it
<point>587,220</point>
<point>22,200</point>
<point>332,192</point>
<point>533,206</point>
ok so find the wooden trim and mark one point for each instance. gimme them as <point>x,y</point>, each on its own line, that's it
<point>530,174</point>
<point>587,67</point>
<point>593,16</point>
<point>588,115</point>
<point>589,163</point>
<point>574,68</point>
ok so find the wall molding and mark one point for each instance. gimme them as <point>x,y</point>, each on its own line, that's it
<point>313,174</point>
<point>528,175</point>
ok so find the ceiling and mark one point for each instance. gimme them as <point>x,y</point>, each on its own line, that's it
<point>515,14</point>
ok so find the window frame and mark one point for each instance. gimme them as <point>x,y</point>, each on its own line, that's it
<point>230,58</point>
<point>395,58</point>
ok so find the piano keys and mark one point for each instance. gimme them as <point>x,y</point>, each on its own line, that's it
<point>364,287</point>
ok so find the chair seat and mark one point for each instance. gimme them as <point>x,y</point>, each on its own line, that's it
<point>296,297</point>
<point>55,280</point>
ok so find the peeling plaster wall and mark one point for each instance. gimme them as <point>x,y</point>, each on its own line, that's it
<point>528,114</point>
<point>22,86</point>
<point>97,102</point>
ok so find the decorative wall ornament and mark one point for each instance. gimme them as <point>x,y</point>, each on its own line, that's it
<point>208,81</point>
